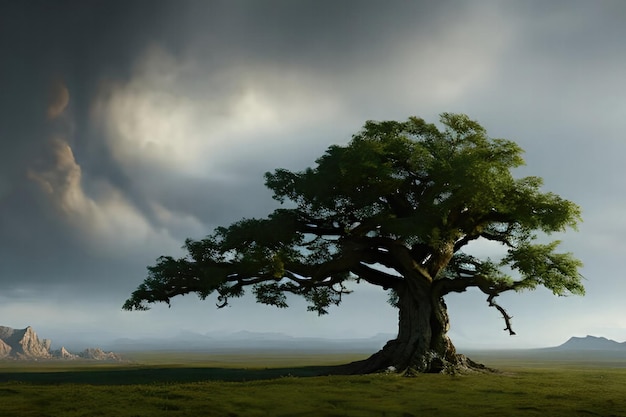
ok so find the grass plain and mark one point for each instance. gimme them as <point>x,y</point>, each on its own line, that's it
<point>286,384</point>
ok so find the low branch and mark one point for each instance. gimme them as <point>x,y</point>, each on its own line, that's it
<point>444,286</point>
<point>305,282</point>
<point>394,254</point>
<point>505,315</point>
<point>376,277</point>
<point>447,285</point>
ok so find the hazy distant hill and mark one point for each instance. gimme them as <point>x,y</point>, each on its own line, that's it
<point>591,343</point>
<point>245,340</point>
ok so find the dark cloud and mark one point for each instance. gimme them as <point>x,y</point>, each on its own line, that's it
<point>130,125</point>
<point>305,32</point>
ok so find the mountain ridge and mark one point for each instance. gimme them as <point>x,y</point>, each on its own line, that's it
<point>24,344</point>
<point>591,343</point>
<point>248,340</point>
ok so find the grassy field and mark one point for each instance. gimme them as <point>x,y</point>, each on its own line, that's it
<point>265,384</point>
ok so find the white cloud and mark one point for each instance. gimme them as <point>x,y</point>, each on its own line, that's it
<point>182,118</point>
<point>109,223</point>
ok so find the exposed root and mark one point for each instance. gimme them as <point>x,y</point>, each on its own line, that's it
<point>430,363</point>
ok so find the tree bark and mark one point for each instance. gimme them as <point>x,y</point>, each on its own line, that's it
<point>422,344</point>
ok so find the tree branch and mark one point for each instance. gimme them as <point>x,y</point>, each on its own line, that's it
<point>388,252</point>
<point>505,315</point>
<point>376,277</point>
<point>320,227</point>
<point>492,290</point>
<point>464,241</point>
<point>481,229</point>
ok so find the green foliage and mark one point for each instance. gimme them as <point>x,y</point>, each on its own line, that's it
<point>409,196</point>
<point>539,265</point>
<point>271,294</point>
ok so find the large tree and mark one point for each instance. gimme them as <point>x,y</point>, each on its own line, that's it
<point>398,207</point>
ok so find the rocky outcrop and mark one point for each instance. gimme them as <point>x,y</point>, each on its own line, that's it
<point>5,349</point>
<point>25,344</point>
<point>99,355</point>
<point>64,354</point>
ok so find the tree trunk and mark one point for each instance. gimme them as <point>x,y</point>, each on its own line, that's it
<point>422,345</point>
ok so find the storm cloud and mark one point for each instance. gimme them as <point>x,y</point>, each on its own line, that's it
<point>128,126</point>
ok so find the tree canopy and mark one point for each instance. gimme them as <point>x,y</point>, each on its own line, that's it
<point>399,204</point>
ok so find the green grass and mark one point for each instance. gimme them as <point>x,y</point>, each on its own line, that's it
<point>266,385</point>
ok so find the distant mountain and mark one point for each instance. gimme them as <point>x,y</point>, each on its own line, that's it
<point>591,343</point>
<point>24,344</point>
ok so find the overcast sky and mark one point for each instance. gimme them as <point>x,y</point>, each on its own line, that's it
<point>127,126</point>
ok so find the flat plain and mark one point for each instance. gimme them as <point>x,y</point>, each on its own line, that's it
<point>293,384</point>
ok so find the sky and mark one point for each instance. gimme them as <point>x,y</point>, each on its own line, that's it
<point>128,126</point>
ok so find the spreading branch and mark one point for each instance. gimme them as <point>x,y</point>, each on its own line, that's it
<point>404,196</point>
<point>505,315</point>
